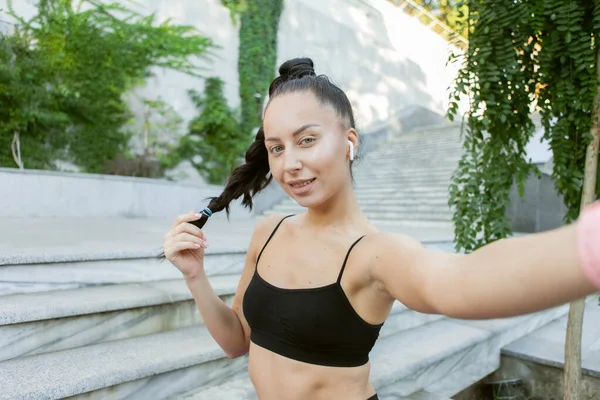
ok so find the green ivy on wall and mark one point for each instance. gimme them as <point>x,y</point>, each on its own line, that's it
<point>259,23</point>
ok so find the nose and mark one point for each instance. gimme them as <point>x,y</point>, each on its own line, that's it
<point>291,162</point>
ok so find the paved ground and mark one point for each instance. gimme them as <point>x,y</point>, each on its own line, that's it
<point>54,236</point>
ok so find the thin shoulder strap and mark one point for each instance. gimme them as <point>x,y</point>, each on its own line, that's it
<point>271,236</point>
<point>348,255</point>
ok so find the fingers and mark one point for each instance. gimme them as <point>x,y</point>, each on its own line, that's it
<point>177,247</point>
<point>182,224</point>
<point>189,217</point>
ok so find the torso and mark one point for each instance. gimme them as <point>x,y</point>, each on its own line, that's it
<point>301,267</point>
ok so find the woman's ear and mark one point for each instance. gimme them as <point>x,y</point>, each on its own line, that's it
<point>352,137</point>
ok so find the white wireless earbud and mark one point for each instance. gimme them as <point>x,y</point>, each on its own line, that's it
<point>351,150</point>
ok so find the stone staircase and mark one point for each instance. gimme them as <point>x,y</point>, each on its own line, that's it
<point>90,313</point>
<point>119,325</point>
<point>405,181</point>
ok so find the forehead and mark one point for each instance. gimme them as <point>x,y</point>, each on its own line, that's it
<point>287,112</point>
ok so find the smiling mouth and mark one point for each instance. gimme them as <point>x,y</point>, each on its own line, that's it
<point>302,183</point>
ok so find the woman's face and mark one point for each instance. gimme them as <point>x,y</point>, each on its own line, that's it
<point>308,149</point>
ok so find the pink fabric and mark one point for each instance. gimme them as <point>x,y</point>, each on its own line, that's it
<point>588,242</point>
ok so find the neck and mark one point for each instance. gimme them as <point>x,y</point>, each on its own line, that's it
<point>339,210</point>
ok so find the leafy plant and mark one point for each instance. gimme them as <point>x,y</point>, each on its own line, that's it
<point>91,59</point>
<point>522,54</point>
<point>215,141</point>
<point>32,128</point>
<point>259,22</point>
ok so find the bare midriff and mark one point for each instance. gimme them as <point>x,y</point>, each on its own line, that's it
<point>279,378</point>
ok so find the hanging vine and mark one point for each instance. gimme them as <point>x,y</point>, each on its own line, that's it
<point>521,54</point>
<point>259,24</point>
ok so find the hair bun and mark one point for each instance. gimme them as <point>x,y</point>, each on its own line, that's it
<point>297,68</point>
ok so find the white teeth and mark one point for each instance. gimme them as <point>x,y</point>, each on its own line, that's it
<point>302,184</point>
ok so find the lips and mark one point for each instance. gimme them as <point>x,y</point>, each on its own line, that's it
<point>301,183</point>
<point>301,187</point>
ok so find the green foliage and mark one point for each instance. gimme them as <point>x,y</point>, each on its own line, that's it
<point>32,128</point>
<point>521,53</point>
<point>257,55</point>
<point>450,12</point>
<point>215,135</point>
<point>91,59</point>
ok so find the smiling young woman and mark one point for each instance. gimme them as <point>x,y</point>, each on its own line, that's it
<point>317,287</point>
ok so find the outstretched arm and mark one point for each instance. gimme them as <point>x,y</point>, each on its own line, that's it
<point>505,278</point>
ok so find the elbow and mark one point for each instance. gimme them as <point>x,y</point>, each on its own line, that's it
<point>236,353</point>
<point>239,350</point>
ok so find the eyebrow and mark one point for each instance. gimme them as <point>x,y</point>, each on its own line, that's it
<point>296,132</point>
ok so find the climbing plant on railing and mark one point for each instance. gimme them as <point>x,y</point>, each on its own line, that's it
<point>86,61</point>
<point>259,22</point>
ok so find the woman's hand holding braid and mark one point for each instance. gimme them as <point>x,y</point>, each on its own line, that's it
<point>184,246</point>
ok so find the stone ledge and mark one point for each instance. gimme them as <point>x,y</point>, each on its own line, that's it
<point>24,258</point>
<point>70,372</point>
<point>29,307</point>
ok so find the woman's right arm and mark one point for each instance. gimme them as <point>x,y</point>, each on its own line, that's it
<point>227,325</point>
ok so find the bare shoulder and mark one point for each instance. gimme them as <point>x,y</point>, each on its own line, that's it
<point>263,229</point>
<point>399,266</point>
<point>396,247</point>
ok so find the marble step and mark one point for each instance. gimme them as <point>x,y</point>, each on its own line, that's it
<point>158,366</point>
<point>44,322</point>
<point>441,357</point>
<point>405,179</point>
<point>401,171</point>
<point>398,185</point>
<point>401,319</point>
<point>449,355</point>
<point>389,192</point>
<point>400,162</point>
<point>417,153</point>
<point>42,274</point>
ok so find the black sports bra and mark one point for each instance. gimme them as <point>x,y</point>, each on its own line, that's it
<point>312,325</point>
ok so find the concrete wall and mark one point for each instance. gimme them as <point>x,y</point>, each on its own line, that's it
<point>62,194</point>
<point>541,207</point>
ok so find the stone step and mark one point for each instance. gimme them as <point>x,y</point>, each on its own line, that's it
<point>158,366</point>
<point>44,322</point>
<point>430,161</point>
<point>403,171</point>
<point>401,186</point>
<point>141,360</point>
<point>39,276</point>
<point>419,149</point>
<point>442,357</point>
<point>406,179</point>
<point>448,355</point>
<point>387,192</point>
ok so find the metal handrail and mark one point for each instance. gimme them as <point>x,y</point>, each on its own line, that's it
<point>460,41</point>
